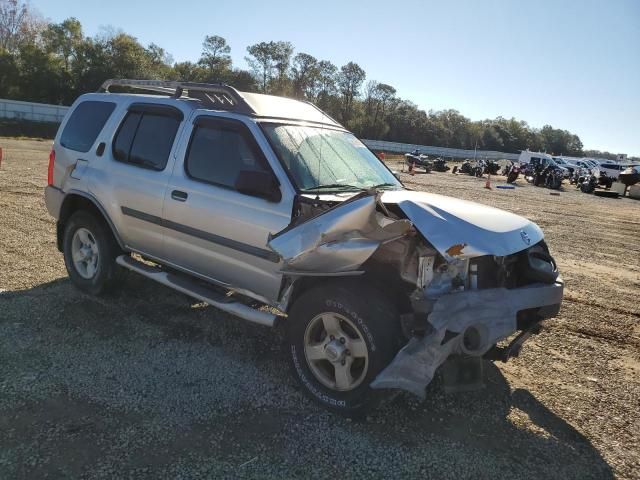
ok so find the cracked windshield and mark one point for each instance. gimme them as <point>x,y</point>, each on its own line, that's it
<point>329,160</point>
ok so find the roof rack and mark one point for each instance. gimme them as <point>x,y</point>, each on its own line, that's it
<point>215,95</point>
<point>218,96</point>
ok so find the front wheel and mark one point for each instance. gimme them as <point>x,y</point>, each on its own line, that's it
<point>341,335</point>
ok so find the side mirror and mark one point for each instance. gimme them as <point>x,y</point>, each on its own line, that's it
<point>259,184</point>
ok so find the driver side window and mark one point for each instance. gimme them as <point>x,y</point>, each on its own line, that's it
<point>219,150</point>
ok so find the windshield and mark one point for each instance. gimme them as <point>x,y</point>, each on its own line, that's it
<point>328,160</point>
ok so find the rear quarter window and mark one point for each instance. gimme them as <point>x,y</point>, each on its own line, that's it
<point>145,137</point>
<point>85,124</point>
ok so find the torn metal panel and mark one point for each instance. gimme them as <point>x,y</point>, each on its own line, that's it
<point>334,256</point>
<point>461,229</point>
<point>338,240</point>
<point>490,315</point>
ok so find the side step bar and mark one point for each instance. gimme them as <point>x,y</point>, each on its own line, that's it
<point>196,290</point>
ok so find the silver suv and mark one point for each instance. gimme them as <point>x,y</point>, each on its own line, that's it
<point>267,208</point>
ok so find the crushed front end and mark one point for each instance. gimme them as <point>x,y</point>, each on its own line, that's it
<point>466,276</point>
<point>467,306</point>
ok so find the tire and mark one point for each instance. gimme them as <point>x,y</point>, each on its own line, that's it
<point>586,187</point>
<point>367,318</point>
<point>537,180</point>
<point>97,272</point>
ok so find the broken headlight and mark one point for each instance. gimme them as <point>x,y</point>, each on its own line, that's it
<point>539,266</point>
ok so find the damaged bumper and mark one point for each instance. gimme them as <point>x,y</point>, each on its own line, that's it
<point>468,322</point>
<point>460,257</point>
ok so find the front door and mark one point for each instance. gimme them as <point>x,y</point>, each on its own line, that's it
<point>211,228</point>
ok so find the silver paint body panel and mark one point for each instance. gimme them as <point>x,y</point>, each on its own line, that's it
<point>476,229</point>
<point>235,239</point>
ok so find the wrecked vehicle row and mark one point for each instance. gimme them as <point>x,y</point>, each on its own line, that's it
<point>298,224</point>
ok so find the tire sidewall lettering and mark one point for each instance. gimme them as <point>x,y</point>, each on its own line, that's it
<point>310,387</point>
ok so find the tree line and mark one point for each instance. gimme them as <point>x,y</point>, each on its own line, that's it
<point>49,62</point>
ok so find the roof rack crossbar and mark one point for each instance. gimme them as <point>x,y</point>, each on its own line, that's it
<point>215,95</point>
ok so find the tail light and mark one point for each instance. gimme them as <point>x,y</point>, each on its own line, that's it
<point>52,162</point>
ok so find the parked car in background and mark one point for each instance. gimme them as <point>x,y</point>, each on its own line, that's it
<point>561,162</point>
<point>591,162</point>
<point>582,165</point>
<point>611,168</point>
<point>533,160</point>
<point>526,157</point>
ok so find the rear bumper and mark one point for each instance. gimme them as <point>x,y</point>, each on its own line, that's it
<point>469,323</point>
<point>53,198</point>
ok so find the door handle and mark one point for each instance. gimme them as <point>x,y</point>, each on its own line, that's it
<point>179,195</point>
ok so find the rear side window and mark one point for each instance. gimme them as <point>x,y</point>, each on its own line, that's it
<point>124,138</point>
<point>145,138</point>
<point>219,150</point>
<point>85,124</point>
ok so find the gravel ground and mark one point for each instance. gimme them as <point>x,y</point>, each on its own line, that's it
<point>148,384</point>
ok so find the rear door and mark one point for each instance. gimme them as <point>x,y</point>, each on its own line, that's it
<point>212,229</point>
<point>135,169</point>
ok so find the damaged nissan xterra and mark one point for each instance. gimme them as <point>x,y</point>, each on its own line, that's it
<point>267,208</point>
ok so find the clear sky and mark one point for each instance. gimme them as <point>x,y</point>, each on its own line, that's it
<point>572,64</point>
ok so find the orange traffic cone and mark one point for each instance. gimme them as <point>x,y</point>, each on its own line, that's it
<point>488,182</point>
<point>412,168</point>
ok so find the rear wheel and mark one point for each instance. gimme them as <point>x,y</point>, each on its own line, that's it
<point>340,337</point>
<point>89,253</point>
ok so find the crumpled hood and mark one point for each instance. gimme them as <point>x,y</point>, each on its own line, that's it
<point>338,240</point>
<point>462,229</point>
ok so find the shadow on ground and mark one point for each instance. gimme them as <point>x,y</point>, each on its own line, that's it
<point>146,384</point>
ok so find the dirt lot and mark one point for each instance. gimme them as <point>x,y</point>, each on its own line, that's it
<point>147,384</point>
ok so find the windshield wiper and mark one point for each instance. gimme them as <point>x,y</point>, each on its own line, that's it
<point>346,187</point>
<point>386,184</point>
<point>342,186</point>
